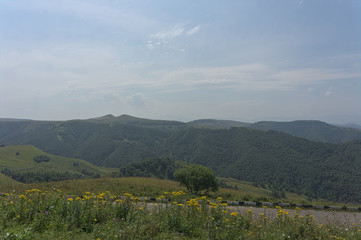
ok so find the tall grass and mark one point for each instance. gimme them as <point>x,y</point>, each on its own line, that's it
<point>52,214</point>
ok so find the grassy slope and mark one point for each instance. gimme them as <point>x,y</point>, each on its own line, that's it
<point>6,181</point>
<point>24,161</point>
<point>152,187</point>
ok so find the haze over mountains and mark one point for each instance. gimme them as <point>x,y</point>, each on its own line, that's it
<point>310,157</point>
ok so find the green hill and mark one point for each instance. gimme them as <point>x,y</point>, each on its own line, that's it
<point>212,123</point>
<point>272,158</point>
<point>331,171</point>
<point>18,162</point>
<point>6,181</point>
<point>312,130</point>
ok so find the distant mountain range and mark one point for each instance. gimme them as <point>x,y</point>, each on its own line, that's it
<point>329,166</point>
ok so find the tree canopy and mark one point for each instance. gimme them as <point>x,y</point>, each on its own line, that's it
<point>197,178</point>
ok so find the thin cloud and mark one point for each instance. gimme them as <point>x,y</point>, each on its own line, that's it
<point>172,32</point>
<point>193,30</point>
<point>176,31</point>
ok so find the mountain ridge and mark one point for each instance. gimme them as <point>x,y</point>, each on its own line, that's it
<point>328,170</point>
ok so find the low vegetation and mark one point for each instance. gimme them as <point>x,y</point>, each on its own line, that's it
<point>53,214</point>
<point>29,164</point>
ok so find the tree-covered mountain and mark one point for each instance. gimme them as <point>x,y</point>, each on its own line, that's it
<point>331,171</point>
<point>213,123</point>
<point>308,129</point>
<point>273,158</point>
<point>312,130</point>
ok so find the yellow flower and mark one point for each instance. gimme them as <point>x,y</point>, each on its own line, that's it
<point>22,197</point>
<point>234,214</point>
<point>70,199</point>
<point>250,211</point>
<point>140,208</point>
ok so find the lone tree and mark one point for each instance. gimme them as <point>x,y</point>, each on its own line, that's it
<point>197,178</point>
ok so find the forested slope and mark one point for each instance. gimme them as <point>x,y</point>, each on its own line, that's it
<point>326,170</point>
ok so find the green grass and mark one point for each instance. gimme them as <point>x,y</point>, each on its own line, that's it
<point>49,215</point>
<point>20,158</point>
<point>6,181</point>
<point>154,187</point>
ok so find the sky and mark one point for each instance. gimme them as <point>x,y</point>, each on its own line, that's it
<point>245,60</point>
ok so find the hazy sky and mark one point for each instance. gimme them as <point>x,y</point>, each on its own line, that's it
<point>244,60</point>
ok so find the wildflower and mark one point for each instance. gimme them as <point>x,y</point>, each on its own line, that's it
<point>70,199</point>
<point>22,197</point>
<point>249,211</point>
<point>234,214</point>
<point>140,208</point>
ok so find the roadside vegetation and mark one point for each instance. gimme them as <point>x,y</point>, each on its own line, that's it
<point>38,214</point>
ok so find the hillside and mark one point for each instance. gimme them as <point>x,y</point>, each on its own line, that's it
<point>317,169</point>
<point>6,181</point>
<point>312,130</point>
<point>212,123</point>
<point>272,158</point>
<point>18,162</point>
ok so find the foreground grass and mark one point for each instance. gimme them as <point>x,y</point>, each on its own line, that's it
<point>54,215</point>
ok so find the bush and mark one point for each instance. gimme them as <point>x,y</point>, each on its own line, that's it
<point>41,158</point>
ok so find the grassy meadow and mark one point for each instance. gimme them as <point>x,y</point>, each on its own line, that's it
<point>20,159</point>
